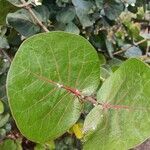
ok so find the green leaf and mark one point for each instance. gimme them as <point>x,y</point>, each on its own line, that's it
<point>4,119</point>
<point>42,110</point>
<point>114,64</point>
<point>22,21</point>
<point>132,51</point>
<point>5,8</point>
<point>2,133</point>
<point>10,145</point>
<point>4,43</point>
<point>113,9</point>
<point>71,27</point>
<point>42,13</point>
<point>83,8</point>
<point>1,107</point>
<point>125,121</point>
<point>66,16</point>
<point>104,73</point>
<point>110,48</point>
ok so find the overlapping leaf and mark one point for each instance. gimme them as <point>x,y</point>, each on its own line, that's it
<point>43,111</point>
<point>125,121</point>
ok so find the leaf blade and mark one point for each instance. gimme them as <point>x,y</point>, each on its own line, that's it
<point>125,123</point>
<point>40,113</point>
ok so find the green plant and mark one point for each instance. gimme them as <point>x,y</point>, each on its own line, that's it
<point>117,29</point>
<point>54,74</point>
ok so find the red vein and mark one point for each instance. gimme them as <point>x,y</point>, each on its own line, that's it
<point>91,99</point>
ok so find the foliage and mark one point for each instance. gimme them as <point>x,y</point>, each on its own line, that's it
<point>41,93</point>
<point>124,121</point>
<point>57,62</point>
<point>117,29</point>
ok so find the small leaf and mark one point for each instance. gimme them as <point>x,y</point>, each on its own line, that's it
<point>2,133</point>
<point>92,121</point>
<point>72,28</point>
<point>114,64</point>
<point>4,43</point>
<point>10,145</point>
<point>66,16</point>
<point>4,119</point>
<point>110,47</point>
<point>113,9</point>
<point>22,21</point>
<point>83,8</point>
<point>5,8</point>
<point>1,107</point>
<point>104,73</point>
<point>42,13</point>
<point>102,59</point>
<point>132,51</point>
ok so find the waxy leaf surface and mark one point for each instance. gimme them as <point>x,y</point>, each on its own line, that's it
<point>124,121</point>
<point>42,110</point>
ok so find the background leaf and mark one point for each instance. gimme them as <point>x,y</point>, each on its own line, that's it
<point>83,8</point>
<point>132,51</point>
<point>113,9</point>
<point>10,144</point>
<point>5,8</point>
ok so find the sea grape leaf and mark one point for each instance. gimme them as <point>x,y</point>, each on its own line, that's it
<point>66,16</point>
<point>22,22</point>
<point>42,110</point>
<point>126,123</point>
<point>104,73</point>
<point>110,47</point>
<point>11,144</point>
<point>133,51</point>
<point>4,43</point>
<point>1,107</point>
<point>83,8</point>
<point>113,9</point>
<point>72,28</point>
<point>42,13</point>
<point>4,119</point>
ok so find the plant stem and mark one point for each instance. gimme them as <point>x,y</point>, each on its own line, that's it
<point>81,96</point>
<point>123,50</point>
<point>34,16</point>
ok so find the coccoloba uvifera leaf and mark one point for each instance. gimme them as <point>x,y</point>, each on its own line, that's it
<point>123,121</point>
<point>42,110</point>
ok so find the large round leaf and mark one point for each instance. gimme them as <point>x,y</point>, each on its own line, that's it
<point>124,120</point>
<point>42,110</point>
